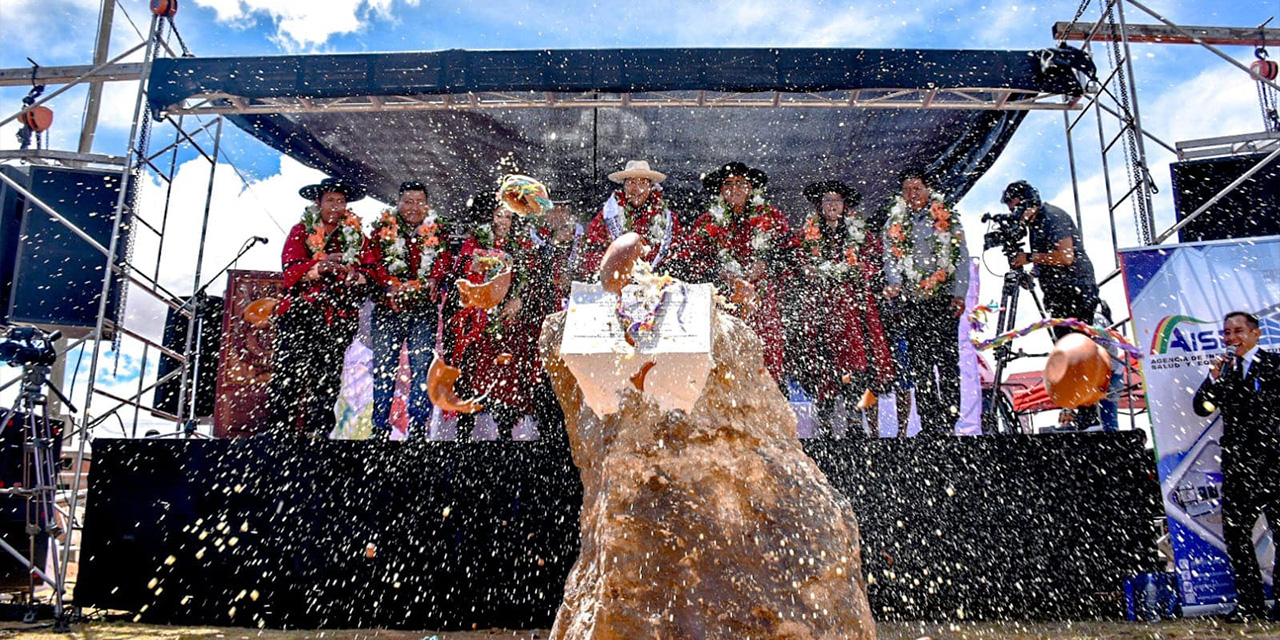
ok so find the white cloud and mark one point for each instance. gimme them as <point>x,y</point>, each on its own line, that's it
<point>49,30</point>
<point>784,23</point>
<point>303,24</point>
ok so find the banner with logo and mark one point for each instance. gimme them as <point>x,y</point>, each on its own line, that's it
<point>1178,295</point>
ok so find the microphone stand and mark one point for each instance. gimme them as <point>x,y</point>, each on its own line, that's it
<point>200,293</point>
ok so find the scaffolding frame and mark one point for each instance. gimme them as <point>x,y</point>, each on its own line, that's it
<point>133,166</point>
<point>1119,87</point>
<point>970,98</point>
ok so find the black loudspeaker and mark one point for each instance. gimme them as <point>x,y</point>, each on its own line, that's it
<point>56,277</point>
<point>11,206</point>
<point>1249,211</point>
<point>204,364</point>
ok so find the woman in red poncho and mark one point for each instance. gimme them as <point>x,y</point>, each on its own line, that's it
<point>325,281</point>
<point>744,245</point>
<point>497,348</point>
<point>843,349</point>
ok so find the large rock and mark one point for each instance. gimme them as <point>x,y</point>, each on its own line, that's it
<point>710,524</point>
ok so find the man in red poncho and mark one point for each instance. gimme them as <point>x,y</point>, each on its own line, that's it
<point>324,284</point>
<point>637,206</point>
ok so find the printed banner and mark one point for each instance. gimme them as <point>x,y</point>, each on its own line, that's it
<point>1178,295</point>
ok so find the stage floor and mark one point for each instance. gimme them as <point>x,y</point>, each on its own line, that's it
<point>1176,630</point>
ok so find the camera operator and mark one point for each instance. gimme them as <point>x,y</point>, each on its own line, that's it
<point>1060,264</point>
<point>1057,256</point>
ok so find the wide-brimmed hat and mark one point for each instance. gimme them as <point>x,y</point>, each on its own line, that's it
<point>713,181</point>
<point>814,192</point>
<point>480,208</point>
<point>637,169</point>
<point>332,185</point>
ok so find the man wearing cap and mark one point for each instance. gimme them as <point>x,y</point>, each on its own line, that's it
<point>408,260</point>
<point>927,267</point>
<point>324,284</point>
<point>841,348</point>
<point>744,244</point>
<point>637,206</point>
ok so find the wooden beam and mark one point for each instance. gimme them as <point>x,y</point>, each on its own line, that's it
<point>1163,34</point>
<point>21,76</point>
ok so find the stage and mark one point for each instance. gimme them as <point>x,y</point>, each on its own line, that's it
<point>463,535</point>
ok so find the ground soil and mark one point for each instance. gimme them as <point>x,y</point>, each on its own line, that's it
<point>1176,630</point>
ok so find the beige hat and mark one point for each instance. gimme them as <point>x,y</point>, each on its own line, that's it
<point>637,169</point>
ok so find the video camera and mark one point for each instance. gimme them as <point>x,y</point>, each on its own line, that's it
<point>1008,234</point>
<point>29,346</point>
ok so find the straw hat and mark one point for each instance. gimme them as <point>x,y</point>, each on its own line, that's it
<point>637,169</point>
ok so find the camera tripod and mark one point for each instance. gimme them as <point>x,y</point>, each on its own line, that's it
<point>39,486</point>
<point>1001,414</point>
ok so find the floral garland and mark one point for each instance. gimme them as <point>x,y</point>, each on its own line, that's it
<point>813,240</point>
<point>485,237</point>
<point>722,220</point>
<point>392,234</point>
<point>655,208</point>
<point>946,241</point>
<point>351,235</point>
<point>496,253</point>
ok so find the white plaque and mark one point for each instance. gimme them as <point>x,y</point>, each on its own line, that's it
<point>596,350</point>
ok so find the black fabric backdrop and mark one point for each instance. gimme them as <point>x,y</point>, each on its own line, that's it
<point>462,153</point>
<point>246,530</point>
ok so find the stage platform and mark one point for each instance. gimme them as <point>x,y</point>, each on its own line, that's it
<point>462,535</point>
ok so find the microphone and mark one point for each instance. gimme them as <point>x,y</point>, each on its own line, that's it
<point>260,240</point>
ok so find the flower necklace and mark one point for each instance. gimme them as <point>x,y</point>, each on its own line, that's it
<point>349,229</point>
<point>620,217</point>
<point>722,220</point>
<point>393,234</point>
<point>485,237</point>
<point>855,237</point>
<point>945,239</point>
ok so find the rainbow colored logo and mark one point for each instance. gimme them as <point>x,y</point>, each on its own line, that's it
<point>1166,332</point>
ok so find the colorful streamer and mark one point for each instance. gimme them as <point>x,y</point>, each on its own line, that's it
<point>1106,337</point>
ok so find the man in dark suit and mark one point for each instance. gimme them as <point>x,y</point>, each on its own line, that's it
<point>1244,384</point>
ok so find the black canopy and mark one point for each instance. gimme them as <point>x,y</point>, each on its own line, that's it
<point>458,120</point>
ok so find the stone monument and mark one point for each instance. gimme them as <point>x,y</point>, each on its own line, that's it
<point>702,517</point>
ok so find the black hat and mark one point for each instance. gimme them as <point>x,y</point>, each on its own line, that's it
<point>412,185</point>
<point>314,192</point>
<point>814,192</point>
<point>714,180</point>
<point>480,207</point>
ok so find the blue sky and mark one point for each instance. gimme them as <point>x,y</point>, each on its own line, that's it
<point>1185,91</point>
